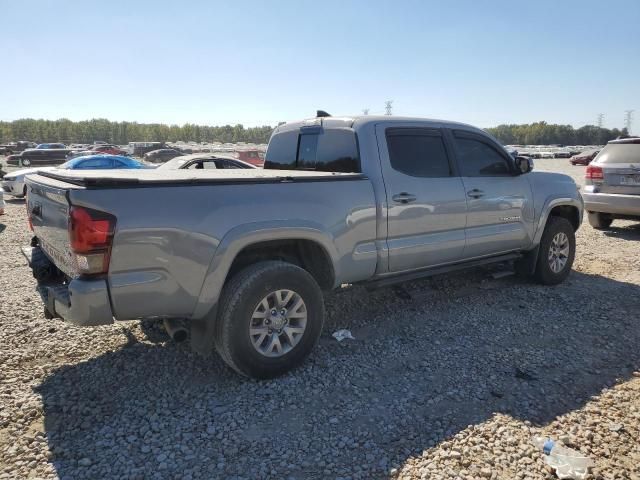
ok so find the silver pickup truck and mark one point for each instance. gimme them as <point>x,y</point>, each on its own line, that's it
<point>241,257</point>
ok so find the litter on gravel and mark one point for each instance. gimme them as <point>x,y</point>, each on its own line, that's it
<point>343,334</point>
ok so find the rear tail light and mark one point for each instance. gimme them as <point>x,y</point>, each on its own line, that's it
<point>594,173</point>
<point>90,236</point>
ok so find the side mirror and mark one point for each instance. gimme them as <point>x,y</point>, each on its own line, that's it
<point>523,165</point>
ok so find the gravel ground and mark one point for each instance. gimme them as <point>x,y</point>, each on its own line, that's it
<point>447,378</point>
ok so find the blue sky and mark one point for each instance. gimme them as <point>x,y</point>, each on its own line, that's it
<point>259,62</point>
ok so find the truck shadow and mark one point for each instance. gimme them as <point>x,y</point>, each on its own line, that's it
<point>457,351</point>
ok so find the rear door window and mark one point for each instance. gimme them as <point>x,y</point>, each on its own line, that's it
<point>418,152</point>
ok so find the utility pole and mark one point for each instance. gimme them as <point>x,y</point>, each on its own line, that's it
<point>628,120</point>
<point>365,111</point>
<point>600,120</point>
<point>388,105</point>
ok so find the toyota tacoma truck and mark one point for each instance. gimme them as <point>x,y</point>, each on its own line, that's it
<point>238,259</point>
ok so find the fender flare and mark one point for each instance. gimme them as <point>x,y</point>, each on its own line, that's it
<point>546,211</point>
<point>242,236</point>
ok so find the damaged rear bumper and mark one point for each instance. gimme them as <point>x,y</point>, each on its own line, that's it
<point>83,302</point>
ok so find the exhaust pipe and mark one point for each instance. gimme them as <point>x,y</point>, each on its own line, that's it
<point>175,329</point>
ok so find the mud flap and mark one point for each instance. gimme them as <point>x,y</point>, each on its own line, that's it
<point>203,332</point>
<point>527,264</point>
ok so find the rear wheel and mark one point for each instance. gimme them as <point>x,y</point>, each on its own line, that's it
<point>26,162</point>
<point>599,221</point>
<point>557,251</point>
<point>270,318</point>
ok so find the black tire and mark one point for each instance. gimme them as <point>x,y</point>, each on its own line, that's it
<point>599,221</point>
<point>544,273</point>
<point>240,297</point>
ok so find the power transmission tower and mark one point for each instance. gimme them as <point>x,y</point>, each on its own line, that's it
<point>628,120</point>
<point>600,120</point>
<point>388,105</point>
<point>365,111</point>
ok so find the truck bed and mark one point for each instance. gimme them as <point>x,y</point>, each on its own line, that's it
<point>177,232</point>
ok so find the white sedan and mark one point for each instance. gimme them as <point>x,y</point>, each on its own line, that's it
<point>204,161</point>
<point>13,182</point>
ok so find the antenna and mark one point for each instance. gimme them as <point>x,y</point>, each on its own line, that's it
<point>628,120</point>
<point>600,121</point>
<point>388,105</point>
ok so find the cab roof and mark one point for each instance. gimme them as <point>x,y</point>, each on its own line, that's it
<point>359,121</point>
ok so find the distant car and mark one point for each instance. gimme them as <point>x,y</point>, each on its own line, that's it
<point>584,158</point>
<point>162,155</point>
<point>14,160</point>
<point>107,149</point>
<point>253,157</point>
<point>110,149</point>
<point>15,147</point>
<point>204,161</point>
<point>562,154</point>
<point>44,154</point>
<point>547,155</point>
<point>102,162</point>
<point>612,183</point>
<point>13,183</point>
<point>46,146</point>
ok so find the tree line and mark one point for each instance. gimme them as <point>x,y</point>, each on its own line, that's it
<point>543,133</point>
<point>121,133</point>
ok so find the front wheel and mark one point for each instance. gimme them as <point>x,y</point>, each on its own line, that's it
<point>26,162</point>
<point>557,251</point>
<point>599,221</point>
<point>270,318</point>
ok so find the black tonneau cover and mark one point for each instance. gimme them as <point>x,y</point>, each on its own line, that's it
<point>149,178</point>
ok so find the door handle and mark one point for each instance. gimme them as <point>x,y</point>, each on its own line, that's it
<point>475,193</point>
<point>404,198</point>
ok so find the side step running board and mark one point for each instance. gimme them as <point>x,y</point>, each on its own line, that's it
<point>428,272</point>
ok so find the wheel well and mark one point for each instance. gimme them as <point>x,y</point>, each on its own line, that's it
<point>306,254</point>
<point>569,212</point>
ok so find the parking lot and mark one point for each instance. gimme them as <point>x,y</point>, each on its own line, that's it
<point>447,377</point>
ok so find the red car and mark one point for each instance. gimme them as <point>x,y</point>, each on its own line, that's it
<point>584,158</point>
<point>110,149</point>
